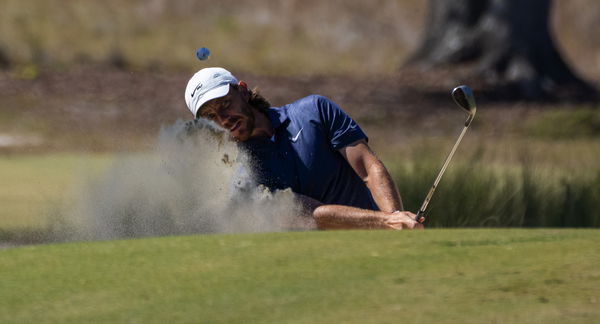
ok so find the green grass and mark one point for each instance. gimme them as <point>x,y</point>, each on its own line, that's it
<point>33,185</point>
<point>449,276</point>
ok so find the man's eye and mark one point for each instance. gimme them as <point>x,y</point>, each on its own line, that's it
<point>208,115</point>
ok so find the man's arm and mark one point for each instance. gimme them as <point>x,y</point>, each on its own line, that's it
<point>372,171</point>
<point>341,131</point>
<point>386,196</point>
<point>346,217</point>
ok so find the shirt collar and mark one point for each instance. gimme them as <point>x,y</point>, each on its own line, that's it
<point>277,116</point>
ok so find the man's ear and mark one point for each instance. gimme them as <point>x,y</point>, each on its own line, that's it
<point>245,92</point>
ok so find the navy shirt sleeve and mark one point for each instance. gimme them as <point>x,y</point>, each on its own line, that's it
<point>341,129</point>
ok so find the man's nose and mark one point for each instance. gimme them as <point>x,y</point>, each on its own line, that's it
<point>223,118</point>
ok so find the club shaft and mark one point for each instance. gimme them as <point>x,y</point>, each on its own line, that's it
<point>421,211</point>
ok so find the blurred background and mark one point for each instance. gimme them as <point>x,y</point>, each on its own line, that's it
<point>276,38</point>
<point>84,81</point>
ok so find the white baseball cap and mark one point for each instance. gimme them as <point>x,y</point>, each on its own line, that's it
<point>207,84</point>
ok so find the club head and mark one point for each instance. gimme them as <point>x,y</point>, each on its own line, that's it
<point>464,98</point>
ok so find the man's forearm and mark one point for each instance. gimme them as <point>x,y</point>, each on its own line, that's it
<point>372,171</point>
<point>340,216</point>
<point>346,217</point>
<point>382,188</point>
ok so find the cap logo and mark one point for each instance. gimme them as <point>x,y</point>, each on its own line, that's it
<point>198,87</point>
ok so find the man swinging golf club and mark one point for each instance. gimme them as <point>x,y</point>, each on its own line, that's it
<point>310,146</point>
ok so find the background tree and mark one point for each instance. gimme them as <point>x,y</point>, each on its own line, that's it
<point>507,41</point>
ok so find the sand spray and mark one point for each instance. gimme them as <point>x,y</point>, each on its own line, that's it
<point>196,180</point>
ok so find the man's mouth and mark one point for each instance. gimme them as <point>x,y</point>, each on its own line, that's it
<point>235,126</point>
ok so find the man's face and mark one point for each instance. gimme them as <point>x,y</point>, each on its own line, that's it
<point>231,112</point>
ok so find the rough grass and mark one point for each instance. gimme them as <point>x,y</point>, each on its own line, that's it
<point>35,185</point>
<point>475,195</point>
<point>503,182</point>
<point>434,276</point>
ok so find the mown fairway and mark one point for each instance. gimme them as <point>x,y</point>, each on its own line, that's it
<point>450,276</point>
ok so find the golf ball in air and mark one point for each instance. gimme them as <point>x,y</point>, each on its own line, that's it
<point>202,53</point>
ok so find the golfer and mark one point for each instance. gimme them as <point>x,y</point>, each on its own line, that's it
<point>310,146</point>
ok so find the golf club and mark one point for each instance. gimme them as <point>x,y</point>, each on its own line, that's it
<point>463,96</point>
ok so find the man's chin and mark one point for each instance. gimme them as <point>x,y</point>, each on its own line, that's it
<point>240,135</point>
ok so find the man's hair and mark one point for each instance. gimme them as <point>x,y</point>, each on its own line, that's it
<point>256,100</point>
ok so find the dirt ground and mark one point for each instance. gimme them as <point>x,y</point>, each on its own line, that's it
<point>99,109</point>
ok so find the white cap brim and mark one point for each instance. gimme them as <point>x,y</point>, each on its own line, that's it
<point>215,93</point>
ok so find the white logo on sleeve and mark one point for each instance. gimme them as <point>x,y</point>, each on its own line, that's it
<point>295,138</point>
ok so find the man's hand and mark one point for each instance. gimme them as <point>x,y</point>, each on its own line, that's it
<point>402,220</point>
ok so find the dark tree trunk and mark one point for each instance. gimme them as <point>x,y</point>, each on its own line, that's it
<point>509,42</point>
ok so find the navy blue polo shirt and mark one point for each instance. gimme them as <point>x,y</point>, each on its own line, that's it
<point>303,153</point>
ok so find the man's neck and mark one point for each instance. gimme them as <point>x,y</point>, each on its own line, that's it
<point>262,126</point>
